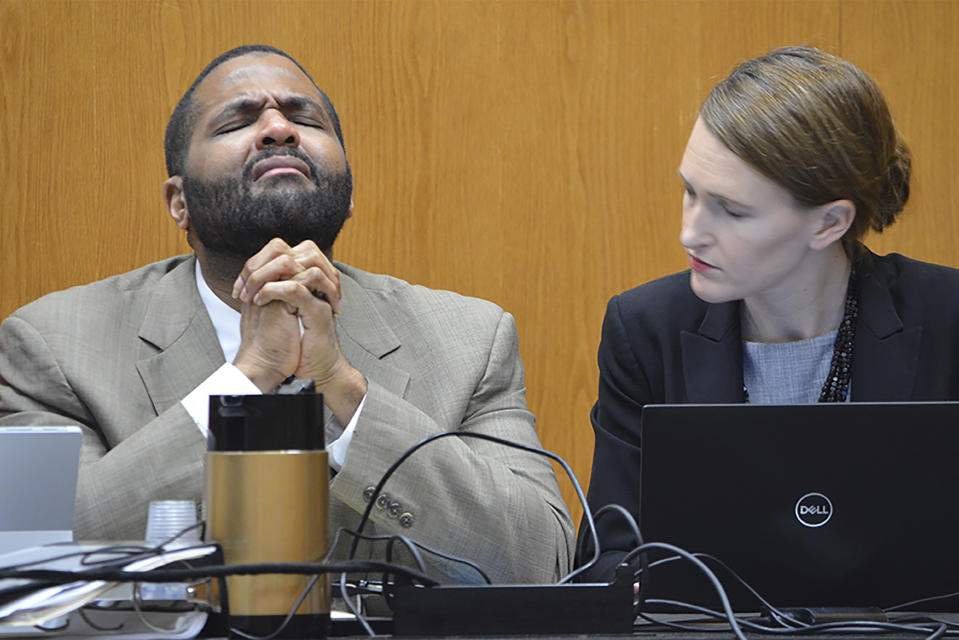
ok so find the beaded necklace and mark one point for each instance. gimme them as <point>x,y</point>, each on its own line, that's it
<point>836,386</point>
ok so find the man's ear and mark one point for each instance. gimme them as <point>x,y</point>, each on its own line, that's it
<point>176,202</point>
<point>833,221</point>
<point>349,214</point>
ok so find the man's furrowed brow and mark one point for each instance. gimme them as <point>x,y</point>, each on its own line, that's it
<point>301,103</point>
<point>250,106</point>
<point>240,106</point>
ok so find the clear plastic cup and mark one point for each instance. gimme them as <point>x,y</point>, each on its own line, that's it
<point>171,518</point>
<point>166,520</point>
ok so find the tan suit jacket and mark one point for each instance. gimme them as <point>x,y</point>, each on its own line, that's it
<point>117,356</point>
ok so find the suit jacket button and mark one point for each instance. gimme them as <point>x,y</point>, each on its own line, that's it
<point>395,508</point>
<point>383,501</point>
<point>406,520</point>
<point>368,493</point>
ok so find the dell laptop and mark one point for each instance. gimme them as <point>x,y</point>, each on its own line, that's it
<point>820,505</point>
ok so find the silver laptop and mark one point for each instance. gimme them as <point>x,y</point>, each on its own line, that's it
<point>825,505</point>
<point>38,484</point>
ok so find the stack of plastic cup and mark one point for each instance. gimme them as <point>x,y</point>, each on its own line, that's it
<point>168,520</point>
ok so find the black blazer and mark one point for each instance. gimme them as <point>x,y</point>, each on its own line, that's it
<point>662,344</point>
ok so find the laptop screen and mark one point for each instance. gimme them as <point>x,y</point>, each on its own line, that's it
<point>38,476</point>
<point>834,505</point>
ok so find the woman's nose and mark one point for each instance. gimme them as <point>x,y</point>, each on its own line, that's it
<point>694,232</point>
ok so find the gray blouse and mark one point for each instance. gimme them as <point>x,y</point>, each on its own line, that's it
<point>787,372</point>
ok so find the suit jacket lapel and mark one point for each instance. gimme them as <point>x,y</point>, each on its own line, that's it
<point>886,357</point>
<point>366,339</point>
<point>713,357</point>
<point>178,337</point>
<point>183,350</point>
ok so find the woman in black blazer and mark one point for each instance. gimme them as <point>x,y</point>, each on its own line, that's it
<point>793,157</point>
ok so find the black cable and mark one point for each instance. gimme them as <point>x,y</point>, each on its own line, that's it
<point>643,558</point>
<point>342,581</point>
<point>353,609</point>
<point>286,621</point>
<point>130,549</point>
<point>864,625</point>
<point>627,516</point>
<point>445,556</point>
<point>920,619</point>
<point>128,554</point>
<point>390,539</point>
<point>177,575</point>
<point>789,624</point>
<point>699,564</point>
<point>911,603</point>
<point>97,627</point>
<point>419,545</point>
<point>183,575</point>
<point>778,615</point>
<point>138,611</point>
<point>482,436</point>
<point>712,614</point>
<point>850,625</point>
<point>53,630</point>
<point>410,546</point>
<point>199,525</point>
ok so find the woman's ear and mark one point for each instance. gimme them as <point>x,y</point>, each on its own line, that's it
<point>834,219</point>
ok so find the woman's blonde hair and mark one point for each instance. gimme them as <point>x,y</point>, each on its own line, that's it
<point>817,126</point>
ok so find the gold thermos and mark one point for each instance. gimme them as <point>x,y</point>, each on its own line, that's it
<point>266,498</point>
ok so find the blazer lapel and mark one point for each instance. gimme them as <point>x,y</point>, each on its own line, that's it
<point>184,350</point>
<point>713,357</point>
<point>365,337</point>
<point>179,338</point>
<point>886,357</point>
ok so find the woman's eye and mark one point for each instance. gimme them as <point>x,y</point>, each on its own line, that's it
<point>730,212</point>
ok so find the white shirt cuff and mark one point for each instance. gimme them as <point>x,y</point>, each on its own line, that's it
<point>225,381</point>
<point>337,449</point>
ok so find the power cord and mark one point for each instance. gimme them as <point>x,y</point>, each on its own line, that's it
<point>378,489</point>
<point>788,624</point>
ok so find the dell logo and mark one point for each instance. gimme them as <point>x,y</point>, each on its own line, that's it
<point>813,510</point>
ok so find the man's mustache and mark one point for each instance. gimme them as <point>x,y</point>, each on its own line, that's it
<point>273,152</point>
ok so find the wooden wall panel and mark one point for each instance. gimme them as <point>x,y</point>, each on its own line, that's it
<point>911,48</point>
<point>46,145</point>
<point>521,151</point>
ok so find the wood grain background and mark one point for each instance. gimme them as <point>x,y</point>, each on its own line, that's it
<point>520,151</point>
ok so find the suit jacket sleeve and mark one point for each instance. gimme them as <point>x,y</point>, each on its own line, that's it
<point>497,506</point>
<point>119,475</point>
<point>624,387</point>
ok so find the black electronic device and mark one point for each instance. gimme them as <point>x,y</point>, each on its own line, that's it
<point>490,610</point>
<point>820,505</point>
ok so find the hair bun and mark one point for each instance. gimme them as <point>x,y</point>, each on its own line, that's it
<point>895,187</point>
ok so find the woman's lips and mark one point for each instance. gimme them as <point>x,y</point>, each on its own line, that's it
<point>698,265</point>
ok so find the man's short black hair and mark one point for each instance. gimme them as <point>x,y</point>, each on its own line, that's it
<point>179,129</point>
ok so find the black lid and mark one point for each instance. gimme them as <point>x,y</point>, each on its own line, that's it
<point>272,422</point>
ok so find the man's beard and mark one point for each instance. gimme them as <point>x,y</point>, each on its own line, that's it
<point>229,219</point>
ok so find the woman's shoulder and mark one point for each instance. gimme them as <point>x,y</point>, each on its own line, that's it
<point>921,293</point>
<point>898,272</point>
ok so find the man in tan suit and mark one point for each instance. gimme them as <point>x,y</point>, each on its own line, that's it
<point>260,182</point>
